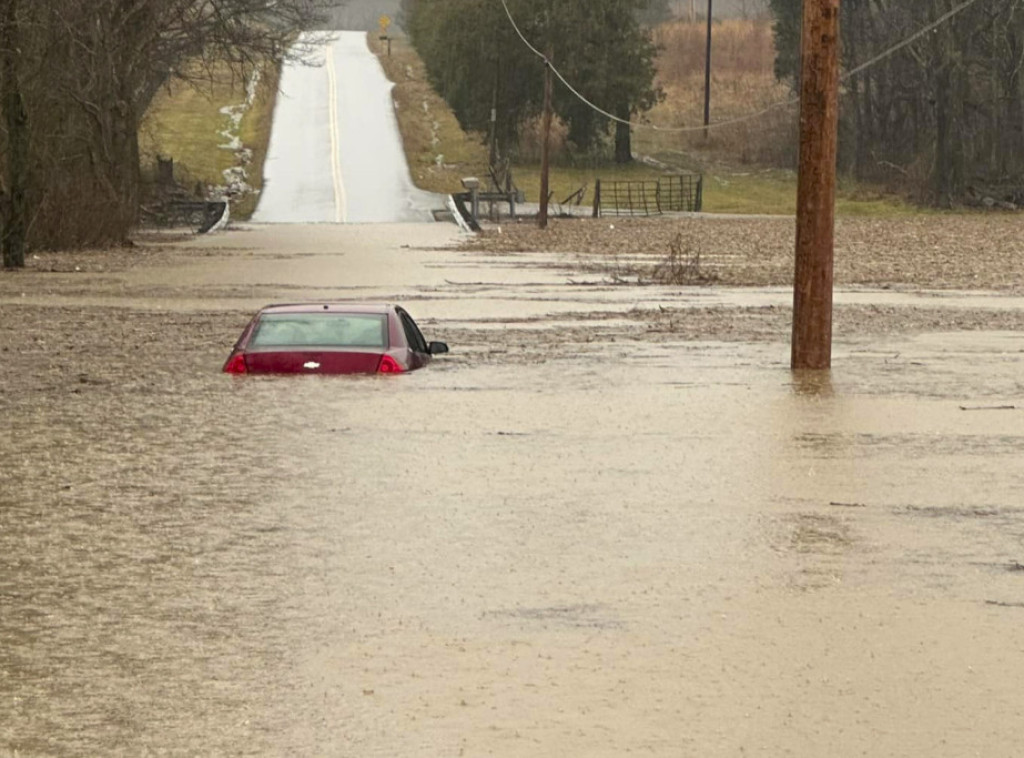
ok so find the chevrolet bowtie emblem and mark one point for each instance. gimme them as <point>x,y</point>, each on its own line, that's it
<point>311,365</point>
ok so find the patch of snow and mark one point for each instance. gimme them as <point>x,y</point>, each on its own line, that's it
<point>236,178</point>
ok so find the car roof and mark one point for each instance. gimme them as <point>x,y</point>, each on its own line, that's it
<point>328,307</point>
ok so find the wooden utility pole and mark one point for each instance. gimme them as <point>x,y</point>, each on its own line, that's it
<point>707,77</point>
<point>545,149</point>
<point>493,153</point>
<point>816,186</point>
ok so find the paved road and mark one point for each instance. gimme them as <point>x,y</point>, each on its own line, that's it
<point>335,152</point>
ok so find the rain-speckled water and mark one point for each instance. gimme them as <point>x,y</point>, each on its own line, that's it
<point>656,548</point>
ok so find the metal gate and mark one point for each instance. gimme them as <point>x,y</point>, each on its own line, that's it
<point>667,194</point>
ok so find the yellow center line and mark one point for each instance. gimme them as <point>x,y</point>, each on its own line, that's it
<point>340,201</point>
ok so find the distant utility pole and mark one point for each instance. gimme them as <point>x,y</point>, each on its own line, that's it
<point>816,186</point>
<point>545,149</point>
<point>707,77</point>
<point>493,153</point>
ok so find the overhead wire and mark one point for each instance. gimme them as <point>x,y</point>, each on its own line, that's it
<point>739,119</point>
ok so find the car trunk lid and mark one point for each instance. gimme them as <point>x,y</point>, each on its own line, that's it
<point>316,361</point>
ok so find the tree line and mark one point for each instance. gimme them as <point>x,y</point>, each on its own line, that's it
<point>943,116</point>
<point>495,84</point>
<point>77,77</point>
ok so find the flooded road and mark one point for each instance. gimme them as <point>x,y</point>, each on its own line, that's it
<point>571,536</point>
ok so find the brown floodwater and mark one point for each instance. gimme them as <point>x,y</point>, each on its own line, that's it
<point>530,548</point>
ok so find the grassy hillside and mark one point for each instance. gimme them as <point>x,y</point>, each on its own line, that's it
<point>439,153</point>
<point>188,124</point>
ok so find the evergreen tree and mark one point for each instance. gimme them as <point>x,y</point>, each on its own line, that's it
<point>476,61</point>
<point>788,21</point>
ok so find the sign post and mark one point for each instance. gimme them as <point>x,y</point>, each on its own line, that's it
<point>385,23</point>
<point>707,76</point>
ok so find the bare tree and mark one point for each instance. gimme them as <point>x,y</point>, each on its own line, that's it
<point>96,68</point>
<point>16,121</point>
<point>942,116</point>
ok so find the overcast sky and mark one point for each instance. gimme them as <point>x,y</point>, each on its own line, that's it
<point>363,15</point>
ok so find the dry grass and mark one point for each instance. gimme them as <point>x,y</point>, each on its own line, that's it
<point>738,46</point>
<point>742,84</point>
<point>439,153</point>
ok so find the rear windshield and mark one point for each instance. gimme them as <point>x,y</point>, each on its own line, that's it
<point>321,330</point>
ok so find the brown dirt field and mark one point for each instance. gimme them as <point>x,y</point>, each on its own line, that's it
<point>930,251</point>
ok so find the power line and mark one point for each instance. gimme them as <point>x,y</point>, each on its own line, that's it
<point>555,71</point>
<point>750,116</point>
<point>909,40</point>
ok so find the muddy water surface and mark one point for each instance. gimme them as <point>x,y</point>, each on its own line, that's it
<point>528,549</point>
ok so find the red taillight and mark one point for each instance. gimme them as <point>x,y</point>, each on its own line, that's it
<point>389,365</point>
<point>235,364</point>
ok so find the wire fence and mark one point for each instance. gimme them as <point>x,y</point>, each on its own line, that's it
<point>676,193</point>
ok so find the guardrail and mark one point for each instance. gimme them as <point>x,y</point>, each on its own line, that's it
<point>200,215</point>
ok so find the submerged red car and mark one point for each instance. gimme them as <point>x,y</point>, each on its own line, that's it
<point>331,338</point>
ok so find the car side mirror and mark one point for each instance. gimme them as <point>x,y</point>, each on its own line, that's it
<point>437,348</point>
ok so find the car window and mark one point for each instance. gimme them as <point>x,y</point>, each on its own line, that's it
<point>412,333</point>
<point>321,330</point>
